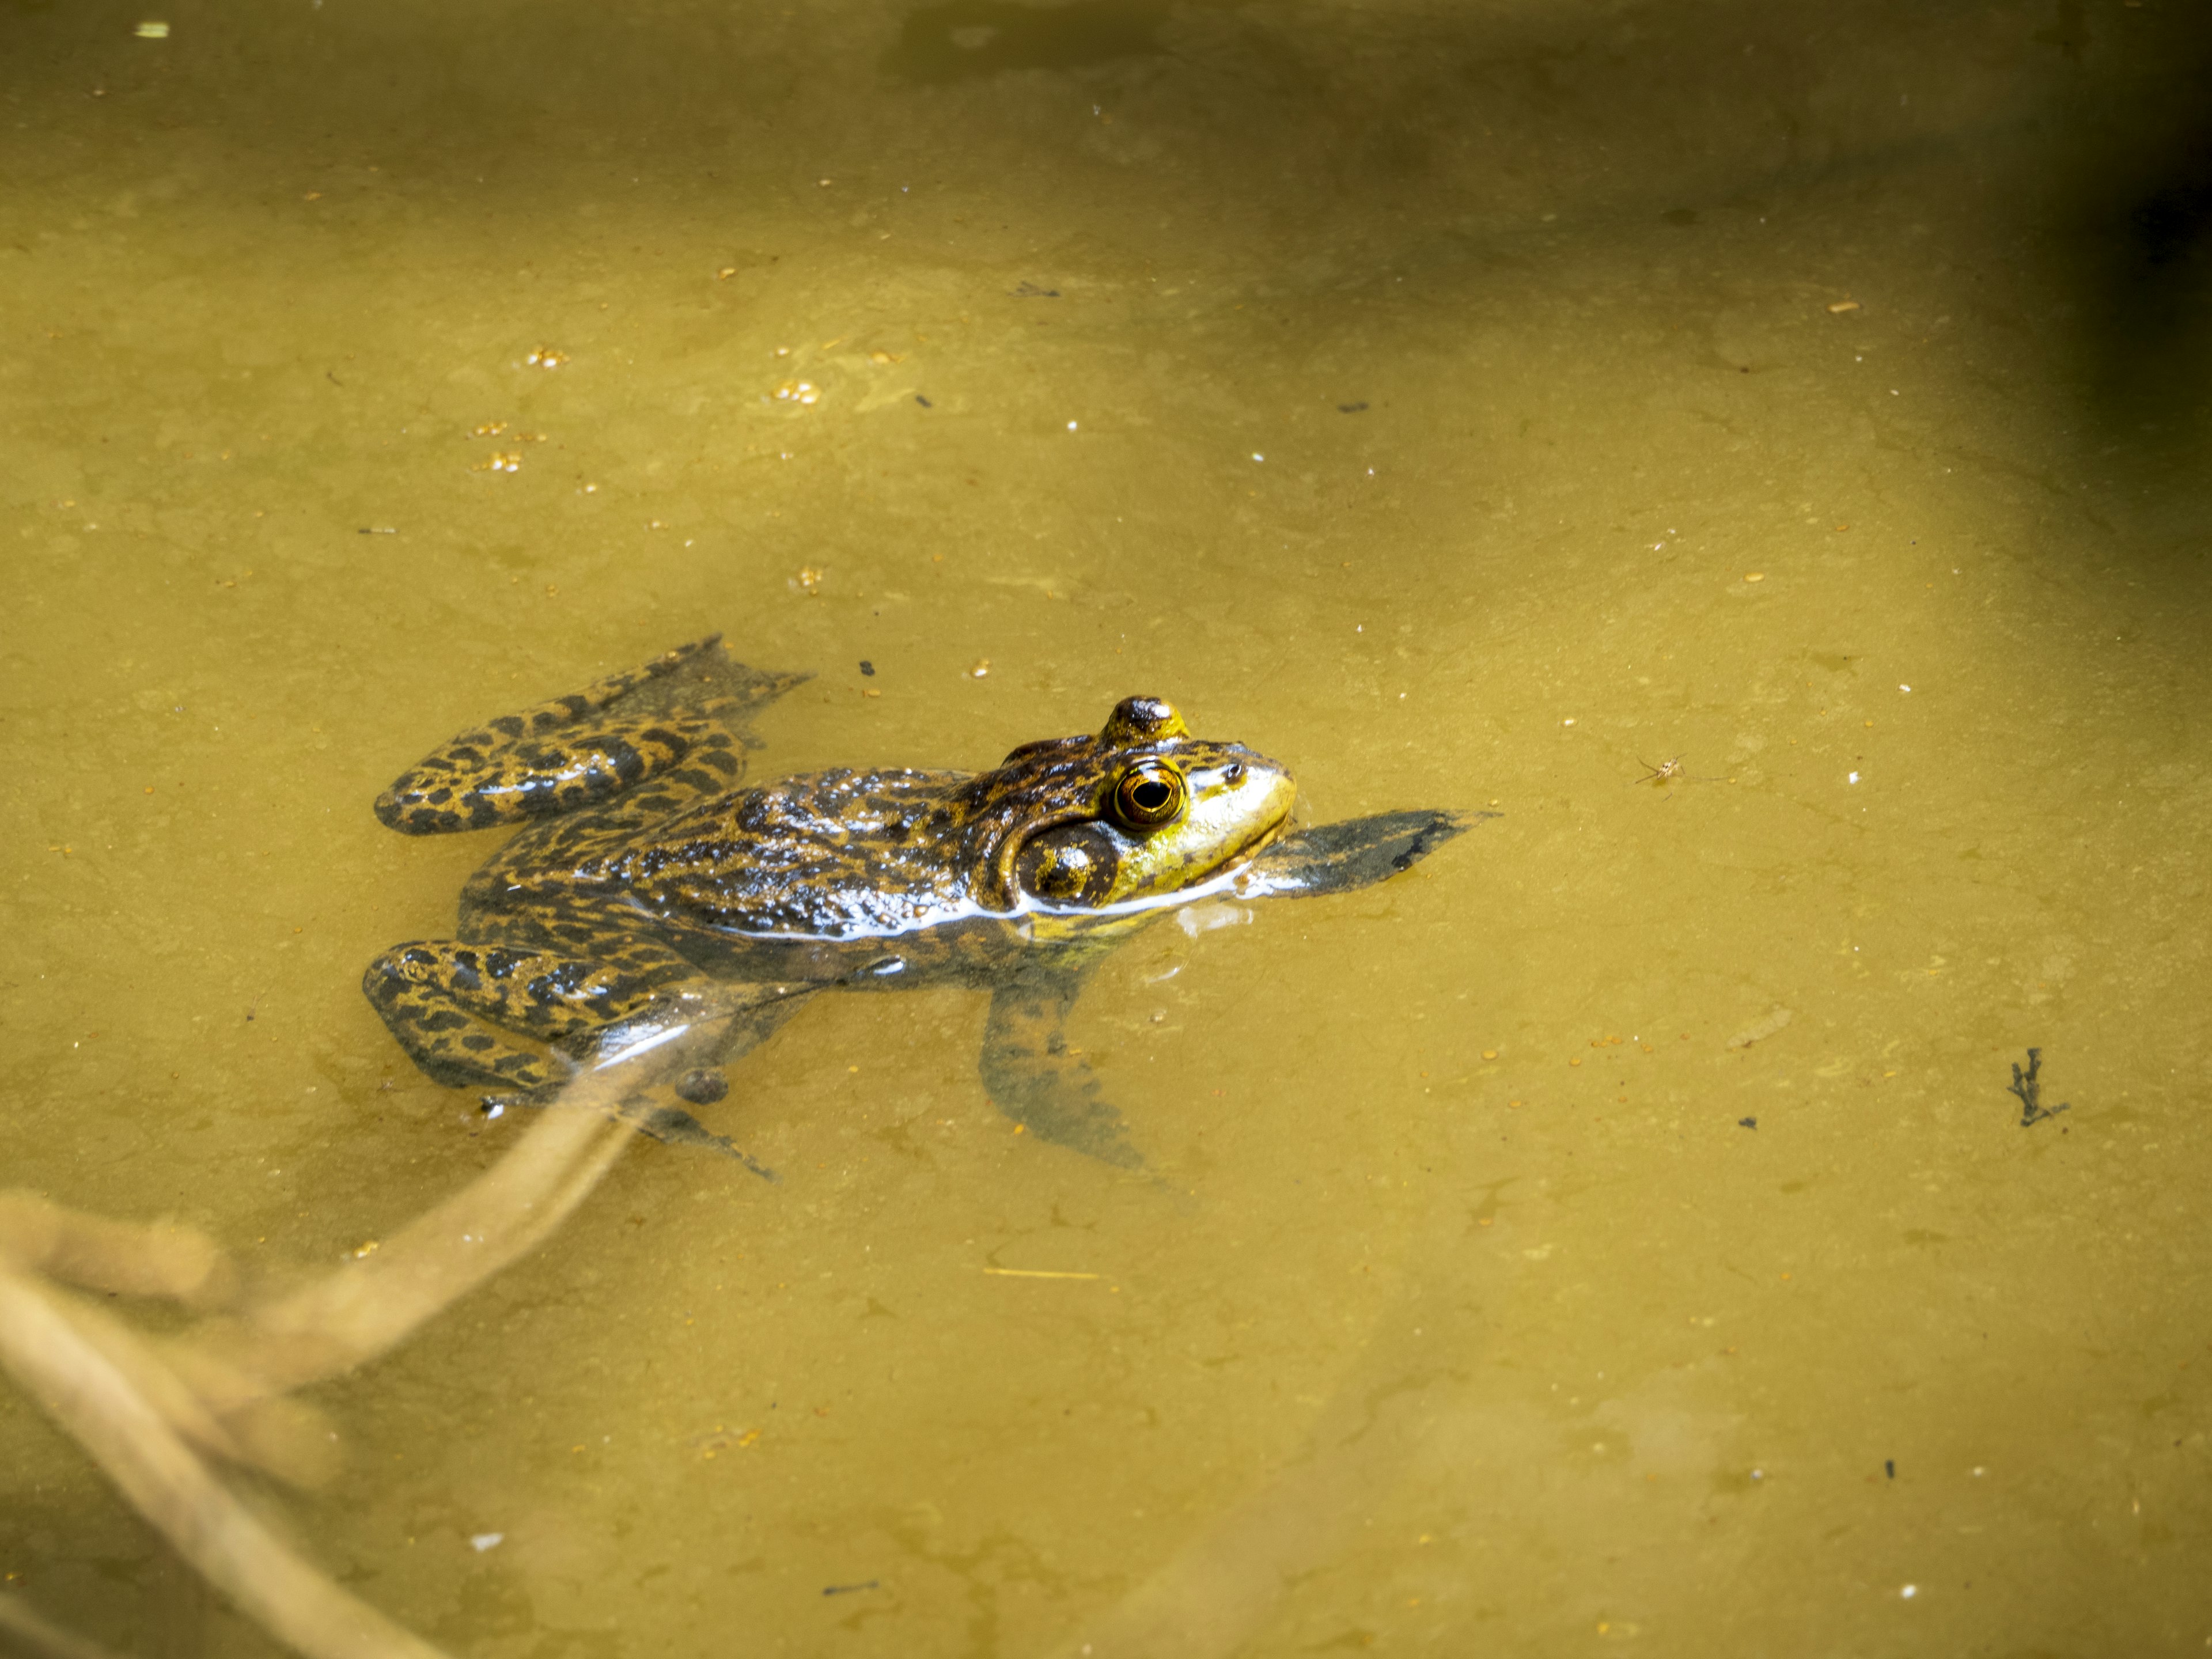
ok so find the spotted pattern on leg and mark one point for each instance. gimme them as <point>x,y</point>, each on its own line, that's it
<point>472,1015</point>
<point>571,753</point>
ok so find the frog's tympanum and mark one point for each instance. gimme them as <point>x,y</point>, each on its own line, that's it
<point>646,864</point>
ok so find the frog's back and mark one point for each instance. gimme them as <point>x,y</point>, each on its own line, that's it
<point>830,855</point>
<point>703,707</point>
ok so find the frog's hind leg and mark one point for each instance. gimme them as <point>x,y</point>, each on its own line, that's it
<point>568,753</point>
<point>471,1015</point>
<point>517,1022</point>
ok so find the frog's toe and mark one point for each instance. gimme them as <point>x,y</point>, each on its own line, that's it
<point>678,1127</point>
<point>703,1086</point>
<point>500,1103</point>
<point>670,1124</point>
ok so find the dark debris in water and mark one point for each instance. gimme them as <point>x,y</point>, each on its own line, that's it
<point>2032,1111</point>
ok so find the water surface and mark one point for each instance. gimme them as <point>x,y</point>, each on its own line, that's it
<point>1615,1231</point>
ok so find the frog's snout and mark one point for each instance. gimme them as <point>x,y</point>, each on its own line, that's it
<point>1247,796</point>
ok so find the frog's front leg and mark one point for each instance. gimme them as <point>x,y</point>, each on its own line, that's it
<point>562,755</point>
<point>1031,1077</point>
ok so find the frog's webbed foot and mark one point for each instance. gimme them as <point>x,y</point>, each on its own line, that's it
<point>578,750</point>
<point>1033,1079</point>
<point>709,1030</point>
<point>1337,858</point>
<point>653,1112</point>
<point>678,1127</point>
<point>683,1040</point>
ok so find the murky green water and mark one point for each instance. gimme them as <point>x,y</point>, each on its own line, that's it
<point>1452,402</point>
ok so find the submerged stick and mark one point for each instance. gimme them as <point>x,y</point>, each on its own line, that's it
<point>100,1255</point>
<point>138,1406</point>
<point>369,1306</point>
<point>176,1493</point>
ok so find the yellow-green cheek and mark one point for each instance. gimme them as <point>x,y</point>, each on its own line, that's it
<point>1218,827</point>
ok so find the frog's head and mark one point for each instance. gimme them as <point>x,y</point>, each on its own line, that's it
<point>1142,810</point>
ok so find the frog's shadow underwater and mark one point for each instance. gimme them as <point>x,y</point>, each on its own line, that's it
<point>646,871</point>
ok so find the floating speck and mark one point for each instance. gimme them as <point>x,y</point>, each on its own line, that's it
<point>486,1540</point>
<point>152,31</point>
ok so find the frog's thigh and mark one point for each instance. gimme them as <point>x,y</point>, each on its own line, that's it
<point>562,755</point>
<point>480,780</point>
<point>469,1013</point>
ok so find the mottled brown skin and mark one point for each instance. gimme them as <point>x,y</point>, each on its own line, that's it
<point>645,867</point>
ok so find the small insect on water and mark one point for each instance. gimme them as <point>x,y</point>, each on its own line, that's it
<point>1668,773</point>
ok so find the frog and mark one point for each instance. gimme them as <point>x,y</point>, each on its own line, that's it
<point>645,865</point>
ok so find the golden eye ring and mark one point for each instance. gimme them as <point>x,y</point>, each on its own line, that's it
<point>1149,795</point>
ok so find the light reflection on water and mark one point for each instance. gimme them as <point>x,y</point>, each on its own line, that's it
<point>1571,467</point>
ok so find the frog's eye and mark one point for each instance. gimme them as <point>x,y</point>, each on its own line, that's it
<point>1148,795</point>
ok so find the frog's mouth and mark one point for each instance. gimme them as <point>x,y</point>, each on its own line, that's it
<point>1265,837</point>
